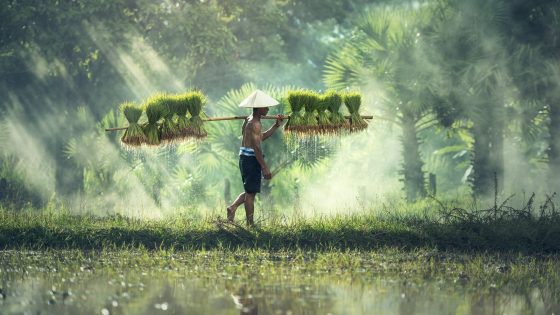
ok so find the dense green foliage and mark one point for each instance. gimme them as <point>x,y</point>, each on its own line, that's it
<point>56,57</point>
<point>466,65</point>
<point>473,103</point>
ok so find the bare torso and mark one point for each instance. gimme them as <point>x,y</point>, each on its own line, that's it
<point>251,133</point>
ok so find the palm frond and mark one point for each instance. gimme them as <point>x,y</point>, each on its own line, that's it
<point>112,119</point>
<point>229,103</point>
<point>342,69</point>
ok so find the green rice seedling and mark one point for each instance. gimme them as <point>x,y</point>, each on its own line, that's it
<point>311,125</point>
<point>323,120</point>
<point>295,102</point>
<point>154,111</point>
<point>337,120</point>
<point>353,101</point>
<point>197,100</point>
<point>168,128</point>
<point>183,126</point>
<point>133,135</point>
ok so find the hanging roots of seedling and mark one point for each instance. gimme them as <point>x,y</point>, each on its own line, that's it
<point>353,101</point>
<point>168,128</point>
<point>133,135</point>
<point>154,112</point>
<point>197,100</point>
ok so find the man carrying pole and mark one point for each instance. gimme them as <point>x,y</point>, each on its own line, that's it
<point>251,159</point>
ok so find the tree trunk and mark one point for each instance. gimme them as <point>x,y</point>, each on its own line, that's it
<point>414,182</point>
<point>488,153</point>
<point>497,153</point>
<point>554,146</point>
<point>482,170</point>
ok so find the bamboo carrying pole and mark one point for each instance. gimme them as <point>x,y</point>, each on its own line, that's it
<point>234,118</point>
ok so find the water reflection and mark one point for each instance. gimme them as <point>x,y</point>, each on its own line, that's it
<point>172,295</point>
<point>245,301</point>
<point>158,291</point>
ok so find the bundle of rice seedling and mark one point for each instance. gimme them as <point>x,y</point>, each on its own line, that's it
<point>183,126</point>
<point>353,101</point>
<point>168,129</point>
<point>133,135</point>
<point>154,111</point>
<point>296,100</point>
<point>324,123</point>
<point>334,102</point>
<point>197,100</point>
<point>310,123</point>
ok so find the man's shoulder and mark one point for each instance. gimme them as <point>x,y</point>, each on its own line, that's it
<point>252,123</point>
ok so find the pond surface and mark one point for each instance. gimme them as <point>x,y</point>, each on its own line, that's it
<point>152,283</point>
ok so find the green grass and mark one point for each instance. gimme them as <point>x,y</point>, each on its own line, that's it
<point>485,267</point>
<point>498,229</point>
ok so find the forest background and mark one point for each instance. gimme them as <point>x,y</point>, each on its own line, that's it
<point>465,91</point>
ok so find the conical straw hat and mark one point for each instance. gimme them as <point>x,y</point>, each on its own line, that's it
<point>258,99</point>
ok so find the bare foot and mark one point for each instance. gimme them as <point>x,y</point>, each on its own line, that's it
<point>230,214</point>
<point>250,222</point>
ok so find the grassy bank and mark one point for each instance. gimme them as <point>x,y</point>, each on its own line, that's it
<point>500,228</point>
<point>484,268</point>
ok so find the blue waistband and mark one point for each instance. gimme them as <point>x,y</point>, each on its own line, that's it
<point>246,151</point>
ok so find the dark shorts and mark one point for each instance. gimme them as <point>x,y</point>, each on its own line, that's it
<point>250,173</point>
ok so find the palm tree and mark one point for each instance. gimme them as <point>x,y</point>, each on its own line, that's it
<point>535,38</point>
<point>385,57</point>
<point>468,50</point>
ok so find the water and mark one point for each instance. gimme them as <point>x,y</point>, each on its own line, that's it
<point>178,294</point>
<point>234,285</point>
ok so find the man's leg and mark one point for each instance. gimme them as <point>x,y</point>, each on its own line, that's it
<point>236,203</point>
<point>250,207</point>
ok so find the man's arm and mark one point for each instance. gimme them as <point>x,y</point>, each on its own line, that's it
<point>272,129</point>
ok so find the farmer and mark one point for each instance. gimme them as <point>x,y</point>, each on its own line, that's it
<point>251,159</point>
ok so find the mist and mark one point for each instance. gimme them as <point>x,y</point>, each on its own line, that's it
<point>471,104</point>
<point>362,174</point>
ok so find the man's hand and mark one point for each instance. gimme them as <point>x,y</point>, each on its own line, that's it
<point>278,122</point>
<point>266,173</point>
